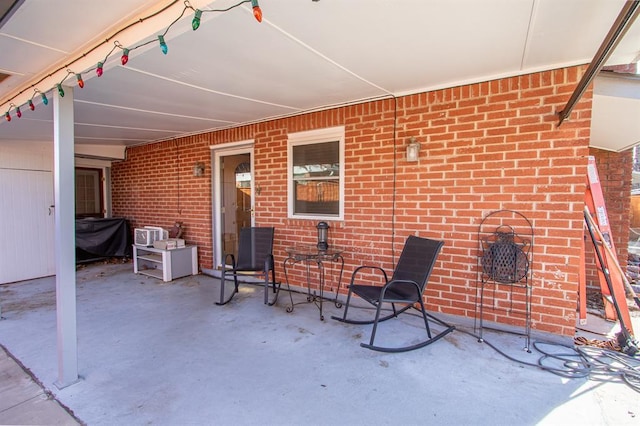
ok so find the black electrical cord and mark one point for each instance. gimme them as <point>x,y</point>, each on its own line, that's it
<point>580,362</point>
<point>574,362</point>
<point>573,365</point>
<point>139,21</point>
<point>607,363</point>
<point>117,44</point>
<point>395,179</point>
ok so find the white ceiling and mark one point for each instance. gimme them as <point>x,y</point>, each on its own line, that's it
<point>305,55</point>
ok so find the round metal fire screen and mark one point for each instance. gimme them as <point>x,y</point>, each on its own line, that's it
<point>505,262</point>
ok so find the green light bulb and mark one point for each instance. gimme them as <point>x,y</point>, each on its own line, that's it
<point>195,24</point>
<point>163,45</point>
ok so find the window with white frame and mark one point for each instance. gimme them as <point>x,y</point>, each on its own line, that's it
<point>316,174</point>
<point>88,192</point>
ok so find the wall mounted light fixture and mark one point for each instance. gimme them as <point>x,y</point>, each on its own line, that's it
<point>413,150</point>
<point>198,169</point>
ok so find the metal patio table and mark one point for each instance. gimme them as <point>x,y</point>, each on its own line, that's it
<point>310,254</point>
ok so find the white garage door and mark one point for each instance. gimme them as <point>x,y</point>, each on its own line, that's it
<point>26,225</point>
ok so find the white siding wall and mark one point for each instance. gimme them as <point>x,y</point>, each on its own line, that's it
<point>27,156</point>
<point>26,219</point>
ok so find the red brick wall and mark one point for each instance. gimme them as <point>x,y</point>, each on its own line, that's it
<point>485,147</point>
<point>155,186</point>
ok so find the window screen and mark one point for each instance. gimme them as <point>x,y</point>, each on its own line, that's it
<point>316,178</point>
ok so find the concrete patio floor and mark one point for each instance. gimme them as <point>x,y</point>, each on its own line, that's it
<point>162,353</point>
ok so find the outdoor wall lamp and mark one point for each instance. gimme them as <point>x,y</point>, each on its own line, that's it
<point>198,169</point>
<point>323,234</point>
<point>413,150</point>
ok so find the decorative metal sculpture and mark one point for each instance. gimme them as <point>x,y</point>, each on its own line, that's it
<point>505,260</point>
<point>505,239</point>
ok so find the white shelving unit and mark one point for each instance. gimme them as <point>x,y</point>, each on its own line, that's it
<point>166,265</point>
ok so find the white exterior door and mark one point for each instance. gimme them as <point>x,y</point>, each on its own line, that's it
<point>233,196</point>
<point>26,225</point>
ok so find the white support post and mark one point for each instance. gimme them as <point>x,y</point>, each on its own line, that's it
<point>65,238</point>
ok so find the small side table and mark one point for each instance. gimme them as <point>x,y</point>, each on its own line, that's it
<point>166,265</point>
<point>310,254</point>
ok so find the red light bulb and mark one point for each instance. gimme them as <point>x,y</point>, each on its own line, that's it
<point>7,116</point>
<point>99,69</point>
<point>80,80</point>
<point>31,105</point>
<point>125,57</point>
<point>18,112</point>
<point>257,12</point>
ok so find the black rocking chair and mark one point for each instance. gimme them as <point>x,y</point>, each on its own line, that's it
<point>255,259</point>
<point>406,288</point>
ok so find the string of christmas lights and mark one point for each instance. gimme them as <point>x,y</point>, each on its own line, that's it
<point>124,58</point>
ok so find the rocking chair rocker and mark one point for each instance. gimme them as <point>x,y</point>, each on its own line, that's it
<point>406,288</point>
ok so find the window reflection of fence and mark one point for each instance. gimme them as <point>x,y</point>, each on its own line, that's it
<point>324,191</point>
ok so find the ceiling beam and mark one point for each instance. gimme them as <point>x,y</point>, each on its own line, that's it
<point>623,22</point>
<point>8,8</point>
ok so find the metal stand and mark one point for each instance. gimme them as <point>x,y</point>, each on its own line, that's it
<point>505,239</point>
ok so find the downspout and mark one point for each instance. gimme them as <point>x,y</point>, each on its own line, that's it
<point>623,22</point>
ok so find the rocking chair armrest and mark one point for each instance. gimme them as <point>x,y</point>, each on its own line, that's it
<point>233,261</point>
<point>364,267</point>
<point>269,263</point>
<point>389,286</point>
